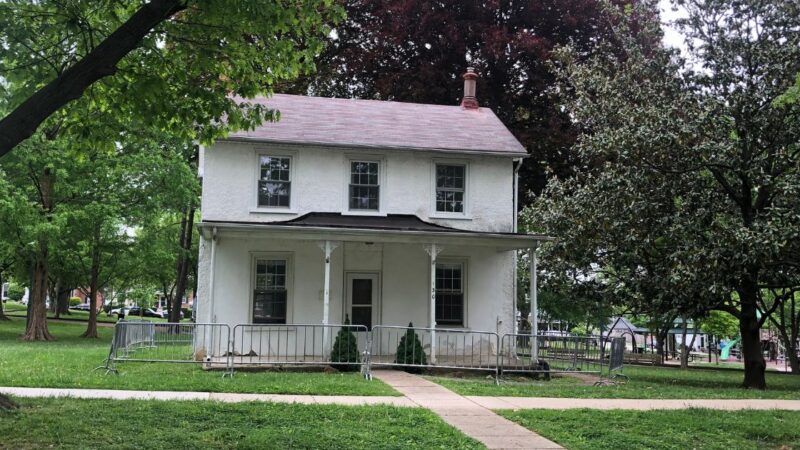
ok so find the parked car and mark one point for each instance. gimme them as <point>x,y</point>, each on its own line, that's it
<point>116,311</point>
<point>148,312</point>
<point>81,307</point>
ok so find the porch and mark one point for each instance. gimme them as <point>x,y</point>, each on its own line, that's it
<point>325,268</point>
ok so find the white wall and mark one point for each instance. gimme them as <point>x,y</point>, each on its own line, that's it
<point>320,177</point>
<point>404,278</point>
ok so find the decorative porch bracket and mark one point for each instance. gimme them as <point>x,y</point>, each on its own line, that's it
<point>327,248</point>
<point>433,250</point>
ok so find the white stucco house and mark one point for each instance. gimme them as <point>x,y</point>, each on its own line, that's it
<point>384,212</point>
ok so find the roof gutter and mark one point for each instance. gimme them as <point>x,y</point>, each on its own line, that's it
<point>360,234</point>
<point>483,152</point>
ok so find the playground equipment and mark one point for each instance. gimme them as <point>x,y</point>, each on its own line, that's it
<point>726,349</point>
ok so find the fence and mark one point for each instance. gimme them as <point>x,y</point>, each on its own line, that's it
<point>554,354</point>
<point>441,348</point>
<point>309,344</point>
<point>143,341</point>
<point>616,356</point>
<point>354,346</point>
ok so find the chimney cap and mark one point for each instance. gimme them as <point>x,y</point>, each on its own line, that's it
<point>470,74</point>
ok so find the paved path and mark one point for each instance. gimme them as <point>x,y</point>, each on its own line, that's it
<point>222,397</point>
<point>474,420</point>
<point>634,404</point>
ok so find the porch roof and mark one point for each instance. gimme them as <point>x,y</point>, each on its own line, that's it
<point>399,228</point>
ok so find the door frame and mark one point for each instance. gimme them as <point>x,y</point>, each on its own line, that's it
<point>376,302</point>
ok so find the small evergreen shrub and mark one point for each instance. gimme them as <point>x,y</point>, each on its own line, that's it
<point>410,351</point>
<point>15,292</point>
<point>74,301</point>
<point>345,349</point>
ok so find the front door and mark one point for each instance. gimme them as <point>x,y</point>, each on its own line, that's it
<point>362,298</point>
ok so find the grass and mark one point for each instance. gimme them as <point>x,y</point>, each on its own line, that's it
<point>68,363</point>
<point>663,429</point>
<point>645,382</point>
<point>139,424</point>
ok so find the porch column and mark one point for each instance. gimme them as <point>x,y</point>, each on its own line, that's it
<point>327,247</point>
<point>534,305</point>
<point>433,250</point>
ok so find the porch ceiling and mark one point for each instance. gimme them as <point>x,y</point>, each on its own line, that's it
<point>370,231</point>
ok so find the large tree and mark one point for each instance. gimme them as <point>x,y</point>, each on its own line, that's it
<point>416,51</point>
<point>53,52</point>
<point>707,133</point>
<point>186,79</point>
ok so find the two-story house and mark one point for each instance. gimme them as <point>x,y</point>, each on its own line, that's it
<point>385,212</point>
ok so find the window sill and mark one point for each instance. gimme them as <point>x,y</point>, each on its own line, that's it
<point>272,211</point>
<point>445,216</point>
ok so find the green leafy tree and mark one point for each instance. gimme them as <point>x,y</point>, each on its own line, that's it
<point>717,163</point>
<point>410,351</point>
<point>54,53</point>
<point>345,348</point>
<point>720,324</point>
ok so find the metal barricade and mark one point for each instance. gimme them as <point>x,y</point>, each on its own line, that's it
<point>300,344</point>
<point>546,354</point>
<point>616,357</point>
<point>394,346</point>
<point>144,341</point>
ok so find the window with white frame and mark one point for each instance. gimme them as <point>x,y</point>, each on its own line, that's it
<point>270,293</point>
<point>450,188</point>
<point>364,193</point>
<point>450,294</point>
<point>274,183</point>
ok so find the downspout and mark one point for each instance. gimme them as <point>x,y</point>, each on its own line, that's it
<point>514,217</point>
<point>211,316</point>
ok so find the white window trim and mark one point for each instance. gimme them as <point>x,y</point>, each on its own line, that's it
<point>467,214</point>
<point>289,258</point>
<point>274,153</point>
<point>382,177</point>
<point>464,287</point>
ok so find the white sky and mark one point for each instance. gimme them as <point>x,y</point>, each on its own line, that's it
<point>672,37</point>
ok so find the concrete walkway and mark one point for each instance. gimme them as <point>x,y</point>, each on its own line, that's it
<point>633,404</point>
<point>471,418</point>
<point>114,394</point>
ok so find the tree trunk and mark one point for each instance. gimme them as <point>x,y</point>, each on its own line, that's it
<point>62,302</point>
<point>36,329</point>
<point>754,364</point>
<point>100,62</point>
<point>684,348</point>
<point>187,231</point>
<point>91,326</point>
<point>3,315</point>
<point>6,404</point>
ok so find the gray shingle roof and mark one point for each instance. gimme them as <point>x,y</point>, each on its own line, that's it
<point>383,124</point>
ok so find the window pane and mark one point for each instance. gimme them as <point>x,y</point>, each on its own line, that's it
<point>450,181</point>
<point>362,315</point>
<point>274,193</point>
<point>449,294</point>
<point>362,292</point>
<point>269,306</point>
<point>364,197</point>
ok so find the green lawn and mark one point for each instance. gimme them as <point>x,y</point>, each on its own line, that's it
<point>138,424</point>
<point>645,382</point>
<point>68,363</point>
<point>683,429</point>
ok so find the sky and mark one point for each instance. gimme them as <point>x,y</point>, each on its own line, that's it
<point>672,37</point>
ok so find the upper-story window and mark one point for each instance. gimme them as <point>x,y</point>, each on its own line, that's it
<point>274,184</point>
<point>450,192</point>
<point>364,194</point>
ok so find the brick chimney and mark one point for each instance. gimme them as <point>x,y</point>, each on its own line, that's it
<point>469,101</point>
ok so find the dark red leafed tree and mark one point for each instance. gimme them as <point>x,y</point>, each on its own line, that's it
<point>416,50</point>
